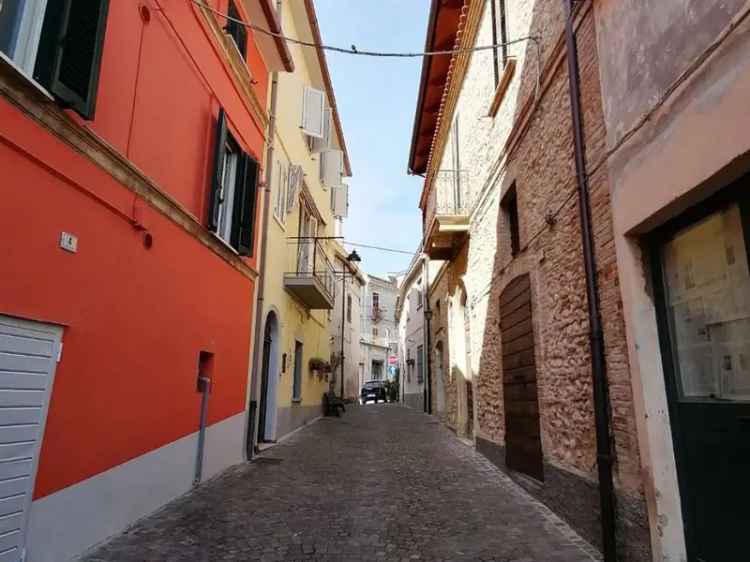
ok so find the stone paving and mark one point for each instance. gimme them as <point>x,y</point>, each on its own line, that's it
<point>381,483</point>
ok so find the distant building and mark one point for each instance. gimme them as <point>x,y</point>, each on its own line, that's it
<point>350,314</point>
<point>411,313</point>
<point>379,336</point>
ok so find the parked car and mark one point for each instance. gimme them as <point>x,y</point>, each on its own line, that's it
<point>373,391</point>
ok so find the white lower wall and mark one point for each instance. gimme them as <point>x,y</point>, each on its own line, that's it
<point>67,523</point>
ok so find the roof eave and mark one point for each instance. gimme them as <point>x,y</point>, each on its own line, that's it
<point>426,63</point>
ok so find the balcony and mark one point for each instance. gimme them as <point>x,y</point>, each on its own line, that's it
<point>313,280</point>
<point>447,214</point>
<point>378,341</point>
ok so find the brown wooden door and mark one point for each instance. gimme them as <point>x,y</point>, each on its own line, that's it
<point>523,445</point>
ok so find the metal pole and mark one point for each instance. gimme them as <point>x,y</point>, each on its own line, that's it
<point>596,336</point>
<point>343,320</point>
<point>428,335</point>
<point>205,384</point>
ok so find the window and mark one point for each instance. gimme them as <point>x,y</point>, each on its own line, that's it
<point>279,201</point>
<point>420,364</point>
<point>499,35</point>
<point>510,208</point>
<point>237,30</point>
<point>30,34</point>
<point>375,332</point>
<point>233,192</point>
<point>297,372</point>
<point>375,301</point>
<point>409,365</point>
<point>349,309</point>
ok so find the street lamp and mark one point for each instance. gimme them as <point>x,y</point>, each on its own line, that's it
<point>351,258</point>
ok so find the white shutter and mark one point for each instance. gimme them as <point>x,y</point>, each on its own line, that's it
<point>341,201</point>
<point>331,167</point>
<point>313,112</point>
<point>322,144</point>
<point>294,179</point>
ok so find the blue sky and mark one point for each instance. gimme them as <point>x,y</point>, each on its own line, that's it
<point>376,100</point>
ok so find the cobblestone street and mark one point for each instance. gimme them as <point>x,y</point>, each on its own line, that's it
<point>380,483</point>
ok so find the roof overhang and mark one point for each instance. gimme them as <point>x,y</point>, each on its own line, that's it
<point>274,49</point>
<point>442,28</point>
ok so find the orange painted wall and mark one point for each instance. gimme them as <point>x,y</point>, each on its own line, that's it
<point>135,318</point>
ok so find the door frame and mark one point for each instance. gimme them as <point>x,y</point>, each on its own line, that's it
<point>56,332</point>
<point>655,241</point>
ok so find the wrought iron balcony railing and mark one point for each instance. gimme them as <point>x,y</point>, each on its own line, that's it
<point>313,279</point>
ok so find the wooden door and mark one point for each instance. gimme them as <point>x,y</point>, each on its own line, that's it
<point>523,445</point>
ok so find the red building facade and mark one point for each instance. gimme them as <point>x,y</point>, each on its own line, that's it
<point>130,154</point>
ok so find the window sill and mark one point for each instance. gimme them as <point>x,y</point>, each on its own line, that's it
<point>6,62</point>
<point>296,401</point>
<point>502,87</point>
<point>226,244</point>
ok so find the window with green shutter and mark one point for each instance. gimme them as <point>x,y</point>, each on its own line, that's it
<point>59,43</point>
<point>234,190</point>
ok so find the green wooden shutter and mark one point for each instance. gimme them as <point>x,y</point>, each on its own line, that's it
<point>217,179</point>
<point>246,193</point>
<point>70,52</point>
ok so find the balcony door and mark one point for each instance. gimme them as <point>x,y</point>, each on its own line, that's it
<point>702,289</point>
<point>308,232</point>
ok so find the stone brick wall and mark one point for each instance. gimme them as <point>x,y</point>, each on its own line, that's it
<point>539,161</point>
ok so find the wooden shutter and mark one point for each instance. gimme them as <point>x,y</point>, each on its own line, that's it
<point>216,194</point>
<point>313,111</point>
<point>322,144</point>
<point>294,186</point>
<point>70,52</point>
<point>340,195</point>
<point>245,197</point>
<point>331,167</point>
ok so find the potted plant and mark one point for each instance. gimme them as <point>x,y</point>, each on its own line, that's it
<point>319,367</point>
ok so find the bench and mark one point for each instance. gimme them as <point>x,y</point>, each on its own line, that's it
<point>331,404</point>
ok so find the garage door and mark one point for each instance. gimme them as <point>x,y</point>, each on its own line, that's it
<point>28,356</point>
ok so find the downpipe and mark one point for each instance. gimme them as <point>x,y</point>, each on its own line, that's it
<point>427,336</point>
<point>596,337</point>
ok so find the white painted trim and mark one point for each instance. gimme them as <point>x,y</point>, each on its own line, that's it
<point>70,521</point>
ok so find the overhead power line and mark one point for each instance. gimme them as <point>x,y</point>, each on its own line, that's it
<point>353,50</point>
<point>378,248</point>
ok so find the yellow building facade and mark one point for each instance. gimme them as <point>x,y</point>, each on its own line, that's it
<point>307,198</point>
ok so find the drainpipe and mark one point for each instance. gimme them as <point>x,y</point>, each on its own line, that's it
<point>427,335</point>
<point>260,296</point>
<point>596,336</point>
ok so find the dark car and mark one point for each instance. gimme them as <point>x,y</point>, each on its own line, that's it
<point>373,391</point>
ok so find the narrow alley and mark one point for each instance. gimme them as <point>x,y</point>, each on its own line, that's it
<point>380,483</point>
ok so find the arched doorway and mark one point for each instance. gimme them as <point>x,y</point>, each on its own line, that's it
<point>460,363</point>
<point>269,380</point>
<point>439,383</point>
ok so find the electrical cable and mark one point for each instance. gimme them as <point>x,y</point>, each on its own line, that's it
<point>346,242</point>
<point>353,49</point>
